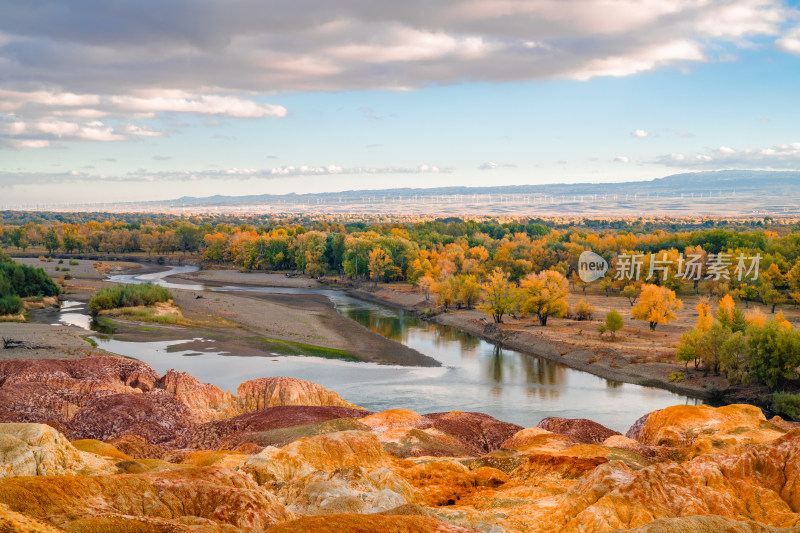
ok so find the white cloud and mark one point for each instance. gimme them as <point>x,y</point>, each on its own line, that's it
<point>491,165</point>
<point>342,45</point>
<point>622,159</point>
<point>640,60</point>
<point>63,116</point>
<point>407,44</point>
<point>738,19</point>
<point>140,131</point>
<point>181,102</point>
<point>40,134</point>
<point>640,133</point>
<point>790,42</point>
<point>28,143</point>
<point>781,156</point>
<point>12,100</point>
<point>144,175</point>
<point>218,58</point>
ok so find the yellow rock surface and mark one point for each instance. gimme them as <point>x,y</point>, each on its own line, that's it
<point>211,494</point>
<point>99,447</point>
<point>220,458</point>
<point>273,392</point>
<point>40,450</point>
<point>393,418</point>
<point>682,426</point>
<point>321,452</point>
<point>11,521</point>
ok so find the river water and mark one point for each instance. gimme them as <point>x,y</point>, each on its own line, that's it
<point>475,374</point>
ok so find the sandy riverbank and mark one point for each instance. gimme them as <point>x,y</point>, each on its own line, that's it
<point>53,342</point>
<point>305,319</point>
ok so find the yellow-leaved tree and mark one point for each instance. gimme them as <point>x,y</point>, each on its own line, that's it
<point>500,296</point>
<point>657,305</point>
<point>544,295</point>
<point>731,316</point>
<point>704,319</point>
<point>378,261</point>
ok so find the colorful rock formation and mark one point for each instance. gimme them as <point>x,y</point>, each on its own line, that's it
<point>168,454</point>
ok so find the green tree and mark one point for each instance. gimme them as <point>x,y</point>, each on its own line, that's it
<point>51,240</point>
<point>771,296</point>
<point>734,358</point>
<point>688,347</point>
<point>188,238</point>
<point>774,353</point>
<point>614,322</point>
<point>748,293</point>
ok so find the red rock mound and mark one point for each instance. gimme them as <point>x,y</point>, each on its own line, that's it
<point>478,430</point>
<point>206,401</point>
<point>578,429</point>
<point>228,433</point>
<point>156,415</point>
<point>85,374</point>
<point>38,402</point>
<point>137,447</point>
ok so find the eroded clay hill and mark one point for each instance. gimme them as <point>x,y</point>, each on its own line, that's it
<point>106,444</point>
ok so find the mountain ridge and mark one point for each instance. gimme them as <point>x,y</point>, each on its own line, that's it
<point>687,183</point>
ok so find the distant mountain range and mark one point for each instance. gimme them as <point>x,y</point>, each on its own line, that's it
<point>723,182</point>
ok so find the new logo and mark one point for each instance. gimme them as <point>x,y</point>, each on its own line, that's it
<point>591,266</point>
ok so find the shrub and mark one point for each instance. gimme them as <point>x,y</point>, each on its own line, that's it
<point>43,259</point>
<point>60,261</point>
<point>25,281</point>
<point>73,262</point>
<point>787,404</point>
<point>613,323</point>
<point>10,305</point>
<point>583,310</point>
<point>128,296</point>
<point>676,377</point>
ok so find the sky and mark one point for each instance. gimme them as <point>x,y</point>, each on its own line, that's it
<point>156,99</point>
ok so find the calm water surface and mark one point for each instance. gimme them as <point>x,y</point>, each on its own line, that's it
<point>475,376</point>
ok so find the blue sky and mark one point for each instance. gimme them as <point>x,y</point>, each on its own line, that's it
<point>154,100</point>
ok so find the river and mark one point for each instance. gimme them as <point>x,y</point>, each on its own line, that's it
<point>475,374</point>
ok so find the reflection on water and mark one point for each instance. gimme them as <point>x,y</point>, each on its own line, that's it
<point>476,375</point>
<point>158,278</point>
<point>75,313</point>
